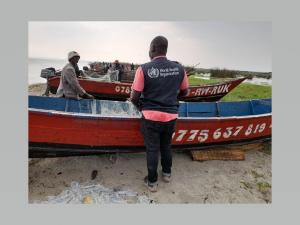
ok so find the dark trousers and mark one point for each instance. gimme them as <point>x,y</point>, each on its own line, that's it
<point>157,138</point>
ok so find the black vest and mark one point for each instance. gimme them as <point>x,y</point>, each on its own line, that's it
<point>162,80</point>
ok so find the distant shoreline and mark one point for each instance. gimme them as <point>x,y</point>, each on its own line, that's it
<point>202,70</point>
<point>52,59</point>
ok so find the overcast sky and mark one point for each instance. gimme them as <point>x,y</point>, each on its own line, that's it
<point>231,45</point>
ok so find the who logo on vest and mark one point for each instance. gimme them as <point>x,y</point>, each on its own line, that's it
<point>153,72</point>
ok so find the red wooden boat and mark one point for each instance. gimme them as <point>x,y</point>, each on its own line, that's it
<point>121,91</point>
<point>58,125</point>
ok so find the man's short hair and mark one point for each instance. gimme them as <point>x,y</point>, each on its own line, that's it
<point>161,44</point>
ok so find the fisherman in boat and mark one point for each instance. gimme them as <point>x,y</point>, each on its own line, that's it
<point>161,82</point>
<point>85,72</point>
<point>69,86</point>
<point>132,67</point>
<point>117,66</point>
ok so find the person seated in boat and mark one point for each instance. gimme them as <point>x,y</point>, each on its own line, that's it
<point>85,72</point>
<point>159,82</point>
<point>69,86</point>
<point>132,67</point>
<point>117,66</point>
<point>106,68</point>
<point>85,69</point>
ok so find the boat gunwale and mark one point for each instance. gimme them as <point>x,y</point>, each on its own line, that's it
<point>97,116</point>
<point>126,83</point>
<point>94,80</point>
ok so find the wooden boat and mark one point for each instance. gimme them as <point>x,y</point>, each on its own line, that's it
<point>211,92</point>
<point>121,91</point>
<point>58,125</point>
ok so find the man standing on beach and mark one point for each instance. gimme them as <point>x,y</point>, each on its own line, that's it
<point>155,89</point>
<point>69,86</point>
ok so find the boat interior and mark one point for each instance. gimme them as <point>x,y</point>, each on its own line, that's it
<point>127,109</point>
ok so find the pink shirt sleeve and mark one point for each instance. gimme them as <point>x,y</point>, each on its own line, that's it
<point>185,82</point>
<point>138,83</point>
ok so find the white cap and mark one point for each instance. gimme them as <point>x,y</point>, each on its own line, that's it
<point>72,54</point>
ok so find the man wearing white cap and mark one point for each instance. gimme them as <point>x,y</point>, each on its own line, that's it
<point>69,86</point>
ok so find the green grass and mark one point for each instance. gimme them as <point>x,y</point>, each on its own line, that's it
<point>248,91</point>
<point>241,92</point>
<point>263,186</point>
<point>256,175</point>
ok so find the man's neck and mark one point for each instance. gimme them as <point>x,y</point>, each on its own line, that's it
<point>73,64</point>
<point>158,56</point>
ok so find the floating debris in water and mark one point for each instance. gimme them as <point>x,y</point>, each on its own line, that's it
<point>95,194</point>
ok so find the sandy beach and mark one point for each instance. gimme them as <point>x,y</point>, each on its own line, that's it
<point>215,181</point>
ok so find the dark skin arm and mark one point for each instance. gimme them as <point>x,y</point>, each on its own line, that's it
<point>183,93</point>
<point>135,98</point>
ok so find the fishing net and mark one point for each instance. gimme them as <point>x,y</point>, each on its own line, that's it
<point>95,194</point>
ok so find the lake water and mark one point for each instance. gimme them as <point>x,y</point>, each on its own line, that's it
<point>259,81</point>
<point>36,65</point>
